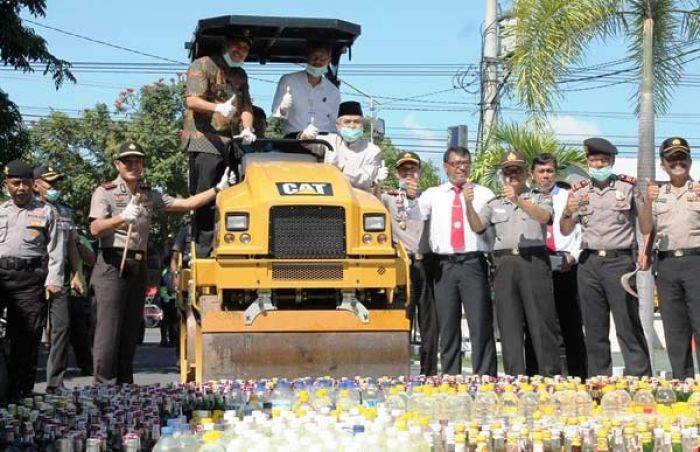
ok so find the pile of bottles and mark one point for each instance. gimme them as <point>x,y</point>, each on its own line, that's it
<point>450,413</point>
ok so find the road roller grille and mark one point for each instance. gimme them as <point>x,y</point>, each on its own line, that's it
<point>307,232</point>
<point>309,271</point>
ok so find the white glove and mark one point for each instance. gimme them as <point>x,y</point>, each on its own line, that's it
<point>286,103</point>
<point>228,179</point>
<point>226,109</point>
<point>382,174</point>
<point>332,158</point>
<point>131,212</point>
<point>310,133</point>
<point>247,137</point>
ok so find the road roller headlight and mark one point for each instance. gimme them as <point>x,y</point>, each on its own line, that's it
<point>236,221</point>
<point>374,222</point>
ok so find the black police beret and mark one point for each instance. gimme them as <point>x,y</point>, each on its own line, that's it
<point>350,108</point>
<point>599,146</point>
<point>18,168</point>
<point>672,145</point>
<point>47,173</point>
<point>130,148</point>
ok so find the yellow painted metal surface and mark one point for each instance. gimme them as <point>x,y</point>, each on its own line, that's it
<point>305,321</point>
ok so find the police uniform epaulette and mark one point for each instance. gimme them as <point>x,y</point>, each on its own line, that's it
<point>579,185</point>
<point>629,179</point>
<point>109,185</point>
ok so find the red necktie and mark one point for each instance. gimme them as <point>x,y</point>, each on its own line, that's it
<point>457,234</point>
<point>550,240</point>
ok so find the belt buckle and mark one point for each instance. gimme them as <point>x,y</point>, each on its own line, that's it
<point>602,253</point>
<point>678,253</point>
<point>138,256</point>
<point>515,252</point>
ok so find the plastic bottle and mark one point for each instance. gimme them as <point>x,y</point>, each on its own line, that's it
<point>485,405</point>
<point>166,443</point>
<point>282,398</point>
<point>212,442</point>
<point>372,395</point>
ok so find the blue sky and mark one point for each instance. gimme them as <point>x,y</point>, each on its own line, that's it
<point>398,32</point>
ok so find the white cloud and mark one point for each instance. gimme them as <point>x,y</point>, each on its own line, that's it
<point>570,129</point>
<point>420,131</point>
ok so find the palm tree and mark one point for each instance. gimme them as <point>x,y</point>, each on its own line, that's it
<point>526,140</point>
<point>552,36</point>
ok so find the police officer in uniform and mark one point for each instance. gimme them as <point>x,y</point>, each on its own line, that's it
<point>606,206</point>
<point>674,210</point>
<point>218,107</point>
<point>120,296</point>
<point>45,187</point>
<point>31,271</point>
<point>523,280</point>
<point>408,228</point>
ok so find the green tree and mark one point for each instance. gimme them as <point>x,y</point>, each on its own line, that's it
<point>19,48</point>
<point>551,36</point>
<point>84,148</point>
<point>526,140</point>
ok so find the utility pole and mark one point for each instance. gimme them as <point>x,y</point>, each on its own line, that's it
<point>489,86</point>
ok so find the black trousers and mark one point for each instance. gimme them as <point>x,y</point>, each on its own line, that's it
<point>59,319</point>
<point>80,336</point>
<point>119,312</point>
<point>168,325</point>
<point>422,308</point>
<point>465,285</point>
<point>601,293</point>
<point>570,324</point>
<point>678,282</point>
<point>22,291</point>
<point>205,172</point>
<point>525,301</point>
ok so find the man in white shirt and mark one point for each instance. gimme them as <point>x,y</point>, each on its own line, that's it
<point>461,276</point>
<point>359,159</point>
<point>564,251</point>
<point>307,97</point>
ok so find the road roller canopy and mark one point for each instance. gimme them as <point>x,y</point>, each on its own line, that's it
<point>275,39</point>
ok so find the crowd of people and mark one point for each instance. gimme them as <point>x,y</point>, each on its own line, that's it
<point>544,256</point>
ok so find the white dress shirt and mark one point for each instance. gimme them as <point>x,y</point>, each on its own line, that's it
<point>359,161</point>
<point>570,243</point>
<point>319,102</point>
<point>436,204</point>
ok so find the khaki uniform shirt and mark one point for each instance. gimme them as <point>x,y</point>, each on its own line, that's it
<point>607,215</point>
<point>110,199</point>
<point>513,227</point>
<point>32,231</point>
<point>213,80</point>
<point>407,225</point>
<point>676,215</point>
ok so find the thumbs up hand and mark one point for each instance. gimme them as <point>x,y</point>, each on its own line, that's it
<point>286,103</point>
<point>310,132</point>
<point>652,190</point>
<point>468,192</point>
<point>226,109</point>
<point>382,174</point>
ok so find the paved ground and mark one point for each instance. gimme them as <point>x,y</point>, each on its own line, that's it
<point>155,364</point>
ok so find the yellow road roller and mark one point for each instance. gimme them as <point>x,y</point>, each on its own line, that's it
<point>304,279</point>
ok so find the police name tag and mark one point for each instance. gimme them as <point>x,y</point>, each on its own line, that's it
<point>305,189</point>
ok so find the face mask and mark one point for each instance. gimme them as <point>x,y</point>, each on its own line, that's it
<point>316,71</point>
<point>351,134</point>
<point>230,61</point>
<point>52,195</point>
<point>601,174</point>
